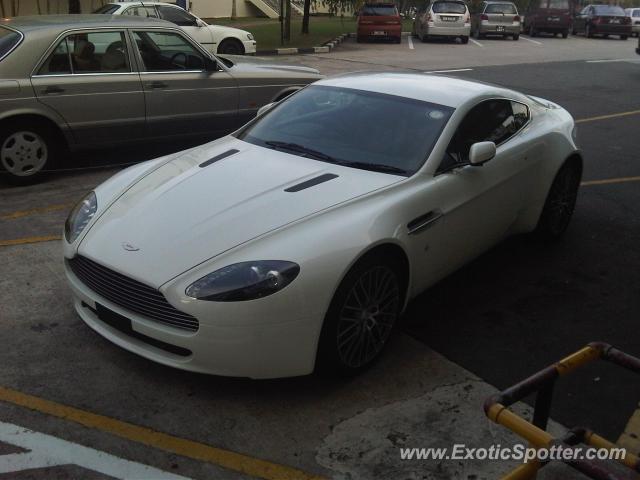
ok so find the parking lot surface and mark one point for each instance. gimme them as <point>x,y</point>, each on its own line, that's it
<point>516,309</point>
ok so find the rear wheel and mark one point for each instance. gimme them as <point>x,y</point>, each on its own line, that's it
<point>361,316</point>
<point>397,40</point>
<point>27,151</point>
<point>565,33</point>
<point>560,202</point>
<point>532,31</point>
<point>516,37</point>
<point>231,46</point>
<point>464,39</point>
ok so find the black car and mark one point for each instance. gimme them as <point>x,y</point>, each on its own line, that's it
<point>602,20</point>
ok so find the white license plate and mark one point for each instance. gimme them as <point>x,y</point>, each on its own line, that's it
<point>500,28</point>
<point>553,19</point>
<point>449,19</point>
<point>378,32</point>
<point>614,20</point>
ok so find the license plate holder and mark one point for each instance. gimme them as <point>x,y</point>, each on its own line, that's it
<point>448,19</point>
<point>499,28</point>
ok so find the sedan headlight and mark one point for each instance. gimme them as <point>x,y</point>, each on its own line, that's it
<point>249,36</point>
<point>80,216</point>
<point>244,281</point>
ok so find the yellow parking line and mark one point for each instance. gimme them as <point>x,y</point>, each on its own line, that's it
<point>23,241</point>
<point>607,117</point>
<point>610,181</point>
<point>152,438</point>
<point>34,211</point>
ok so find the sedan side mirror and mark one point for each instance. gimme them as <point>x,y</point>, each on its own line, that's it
<point>265,108</point>
<point>481,153</point>
<point>210,65</point>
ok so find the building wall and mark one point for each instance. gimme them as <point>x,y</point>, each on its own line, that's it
<point>13,8</point>
<point>222,8</point>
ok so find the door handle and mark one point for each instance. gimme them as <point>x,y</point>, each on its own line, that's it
<point>157,85</point>
<point>423,222</point>
<point>52,90</point>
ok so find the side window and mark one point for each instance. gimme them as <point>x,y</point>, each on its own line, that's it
<point>141,12</point>
<point>167,51</point>
<point>636,13</point>
<point>59,62</point>
<point>178,16</point>
<point>89,52</point>
<point>490,121</point>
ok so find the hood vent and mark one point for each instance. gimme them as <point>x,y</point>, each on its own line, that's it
<point>312,182</point>
<point>226,154</point>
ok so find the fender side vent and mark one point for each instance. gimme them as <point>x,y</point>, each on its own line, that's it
<point>312,182</point>
<point>226,154</point>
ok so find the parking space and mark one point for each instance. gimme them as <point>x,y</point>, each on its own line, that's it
<point>516,309</point>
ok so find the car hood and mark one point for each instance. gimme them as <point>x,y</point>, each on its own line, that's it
<point>242,63</point>
<point>182,214</point>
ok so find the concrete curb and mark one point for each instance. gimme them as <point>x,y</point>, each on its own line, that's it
<point>326,48</point>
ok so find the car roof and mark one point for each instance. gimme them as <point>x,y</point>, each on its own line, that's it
<point>64,22</point>
<point>142,3</point>
<point>440,89</point>
<point>499,2</point>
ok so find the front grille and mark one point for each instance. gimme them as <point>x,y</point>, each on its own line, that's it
<point>130,294</point>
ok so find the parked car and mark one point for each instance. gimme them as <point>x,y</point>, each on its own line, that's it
<point>602,20</point>
<point>311,263</point>
<point>443,19</point>
<point>634,15</point>
<point>76,81</point>
<point>215,38</point>
<point>549,16</point>
<point>379,21</point>
<point>496,18</point>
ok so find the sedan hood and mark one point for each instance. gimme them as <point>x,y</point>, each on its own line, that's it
<point>182,213</point>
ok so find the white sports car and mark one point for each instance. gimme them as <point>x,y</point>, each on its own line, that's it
<point>297,242</point>
<point>215,38</point>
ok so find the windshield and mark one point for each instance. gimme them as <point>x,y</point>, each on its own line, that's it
<point>8,40</point>
<point>366,130</point>
<point>505,8</point>
<point>449,7</point>
<point>559,4</point>
<point>108,9</point>
<point>379,11</point>
<point>608,10</point>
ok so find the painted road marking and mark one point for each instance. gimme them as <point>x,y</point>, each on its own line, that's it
<point>180,446</point>
<point>451,71</point>
<point>475,42</point>
<point>410,40</point>
<point>529,40</point>
<point>609,181</point>
<point>607,117</point>
<point>46,451</point>
<point>23,241</point>
<point>35,211</point>
<point>610,61</point>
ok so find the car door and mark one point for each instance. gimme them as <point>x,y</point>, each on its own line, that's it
<point>196,29</point>
<point>479,204</point>
<point>181,96</point>
<point>89,79</point>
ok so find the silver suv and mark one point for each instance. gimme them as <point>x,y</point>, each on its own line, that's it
<point>496,18</point>
<point>443,19</point>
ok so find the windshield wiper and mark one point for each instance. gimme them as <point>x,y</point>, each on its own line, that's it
<point>294,147</point>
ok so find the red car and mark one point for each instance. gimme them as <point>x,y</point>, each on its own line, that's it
<point>379,21</point>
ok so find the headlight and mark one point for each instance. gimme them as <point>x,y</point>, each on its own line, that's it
<point>80,216</point>
<point>249,36</point>
<point>244,281</point>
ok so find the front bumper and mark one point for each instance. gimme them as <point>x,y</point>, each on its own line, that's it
<point>453,31</point>
<point>249,46</point>
<point>608,29</point>
<point>256,343</point>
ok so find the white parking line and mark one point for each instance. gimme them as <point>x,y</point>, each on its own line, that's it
<point>451,71</point>
<point>410,42</point>
<point>46,451</point>
<point>476,42</point>
<point>529,40</point>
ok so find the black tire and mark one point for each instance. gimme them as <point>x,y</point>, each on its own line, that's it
<point>231,46</point>
<point>397,40</point>
<point>516,37</point>
<point>574,31</point>
<point>356,329</point>
<point>587,32</point>
<point>560,203</point>
<point>565,33</point>
<point>28,150</point>
<point>532,31</point>
<point>623,37</point>
<point>464,40</point>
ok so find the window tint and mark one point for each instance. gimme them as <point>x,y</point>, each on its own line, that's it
<point>608,10</point>
<point>506,8</point>
<point>107,9</point>
<point>98,52</point>
<point>178,16</point>
<point>8,40</point>
<point>490,121</point>
<point>636,13</point>
<point>167,51</point>
<point>141,12</point>
<point>378,10</point>
<point>449,7</point>
<point>559,4</point>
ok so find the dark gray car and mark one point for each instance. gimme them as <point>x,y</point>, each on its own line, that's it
<point>73,81</point>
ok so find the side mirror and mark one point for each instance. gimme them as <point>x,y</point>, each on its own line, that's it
<point>210,65</point>
<point>265,108</point>
<point>481,153</point>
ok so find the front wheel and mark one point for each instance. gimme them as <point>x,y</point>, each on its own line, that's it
<point>361,317</point>
<point>27,151</point>
<point>231,46</point>
<point>560,203</point>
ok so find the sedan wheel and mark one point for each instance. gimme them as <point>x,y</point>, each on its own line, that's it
<point>25,152</point>
<point>361,317</point>
<point>560,203</point>
<point>231,46</point>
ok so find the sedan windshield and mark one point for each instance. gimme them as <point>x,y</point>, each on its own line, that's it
<point>449,7</point>
<point>8,40</point>
<point>608,10</point>
<point>108,9</point>
<point>379,11</point>
<point>360,129</point>
<point>504,8</point>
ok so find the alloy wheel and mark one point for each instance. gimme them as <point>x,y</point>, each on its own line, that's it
<point>24,153</point>
<point>562,200</point>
